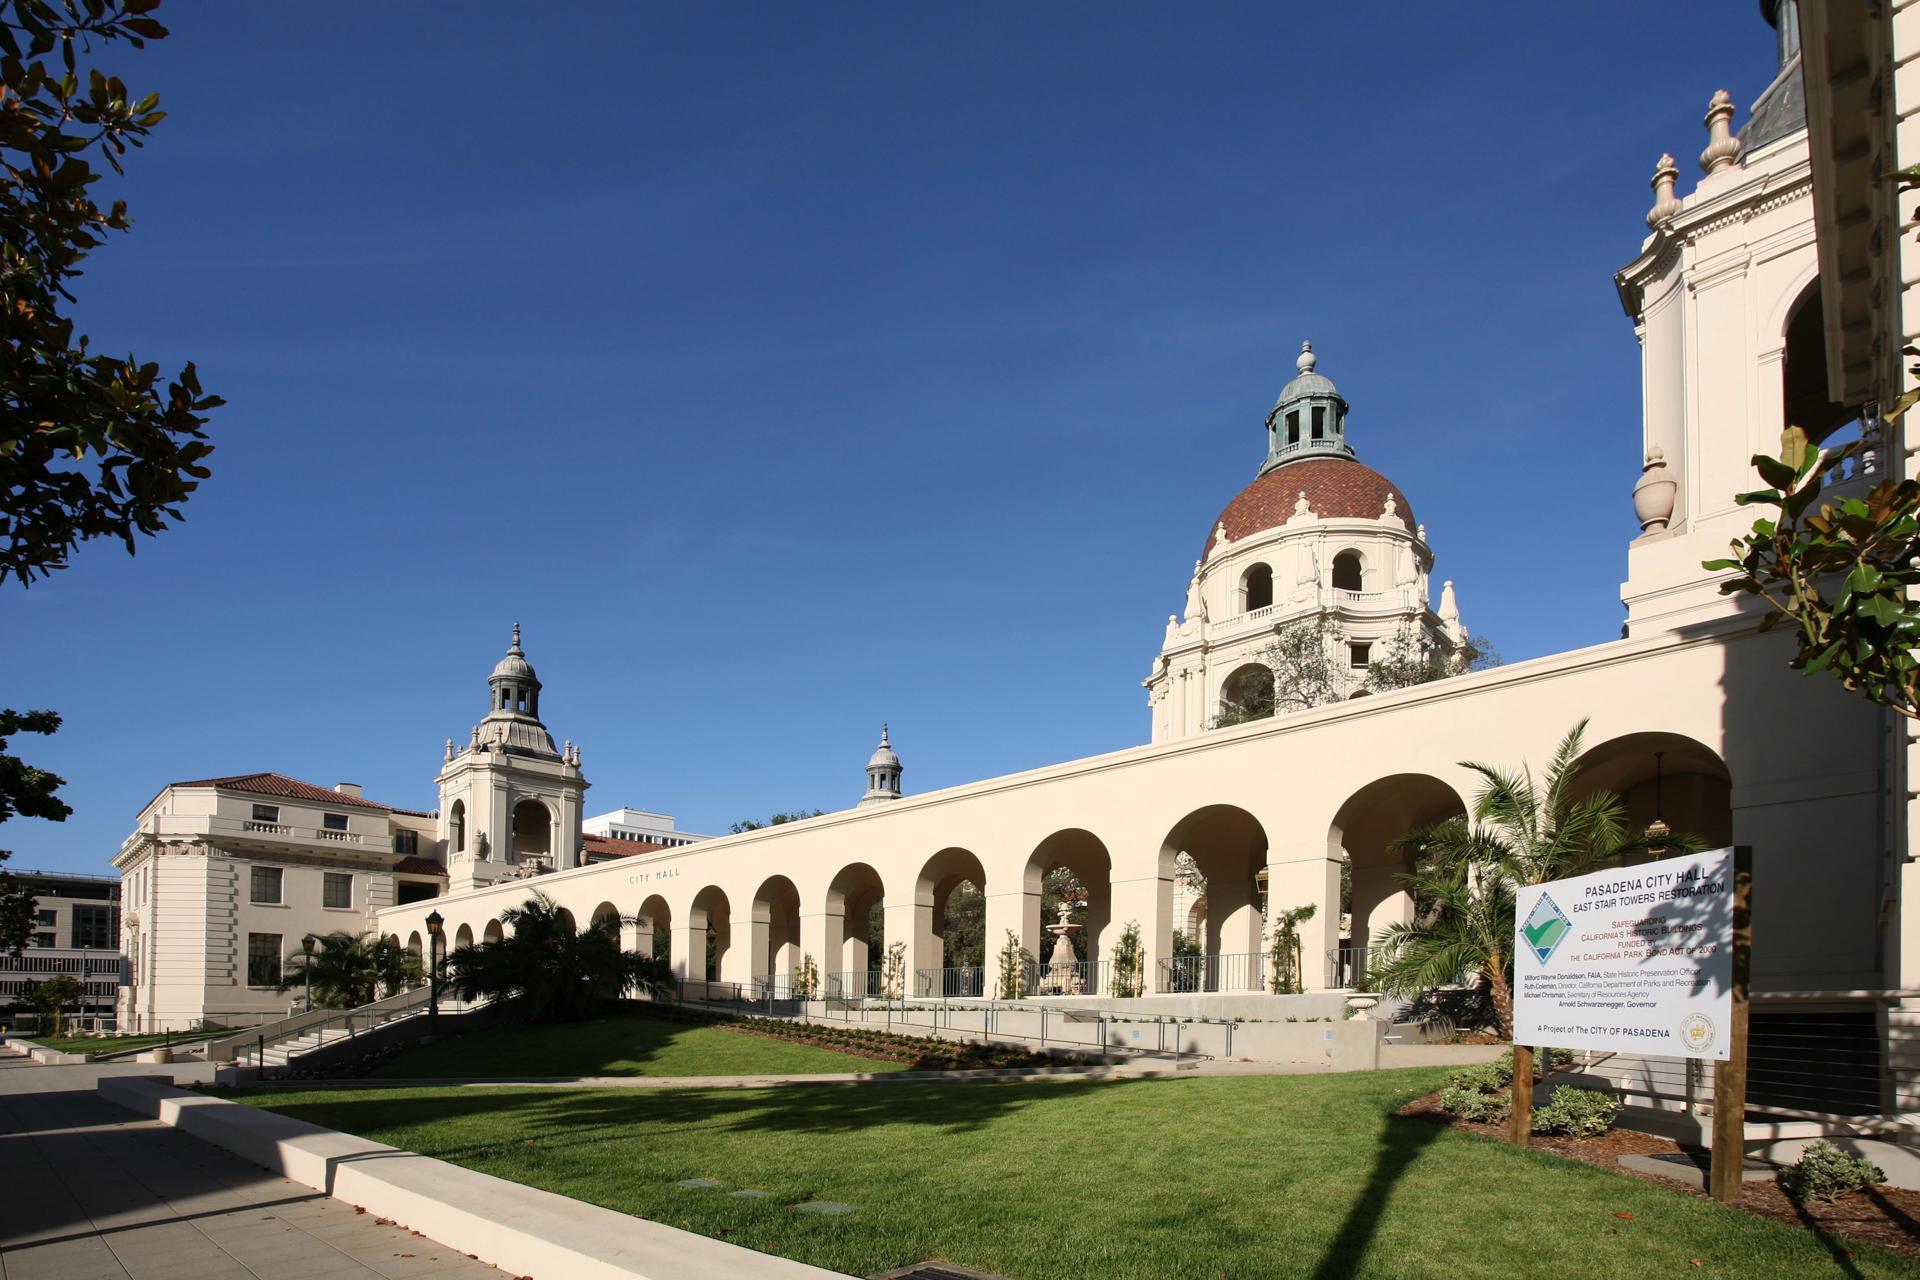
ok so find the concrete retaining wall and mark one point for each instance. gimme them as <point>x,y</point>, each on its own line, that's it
<point>519,1229</point>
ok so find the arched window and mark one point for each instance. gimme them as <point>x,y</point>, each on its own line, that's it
<point>457,826</point>
<point>532,836</point>
<point>1256,587</point>
<point>1248,694</point>
<point>1804,373</point>
<point>1346,571</point>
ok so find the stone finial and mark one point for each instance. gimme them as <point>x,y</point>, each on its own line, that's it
<point>1421,533</point>
<point>1220,538</point>
<point>1301,507</point>
<point>1391,511</point>
<point>449,750</point>
<point>1655,492</point>
<point>1307,359</point>
<point>1665,203</point>
<point>1722,146</point>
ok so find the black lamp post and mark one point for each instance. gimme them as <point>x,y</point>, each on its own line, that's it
<point>306,945</point>
<point>434,923</point>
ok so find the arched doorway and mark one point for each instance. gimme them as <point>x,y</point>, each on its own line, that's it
<point>950,912</point>
<point>710,925</point>
<point>656,929</point>
<point>1667,778</point>
<point>1228,851</point>
<point>856,933</point>
<point>776,935</point>
<point>532,833</point>
<point>493,932</point>
<point>1071,869</point>
<point>1365,832</point>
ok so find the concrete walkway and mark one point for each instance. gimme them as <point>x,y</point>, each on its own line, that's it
<point>93,1193</point>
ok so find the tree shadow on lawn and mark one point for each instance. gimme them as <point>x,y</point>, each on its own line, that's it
<point>558,1120</point>
<point>1401,1142</point>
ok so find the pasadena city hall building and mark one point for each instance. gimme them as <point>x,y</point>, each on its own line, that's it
<point>1773,290</point>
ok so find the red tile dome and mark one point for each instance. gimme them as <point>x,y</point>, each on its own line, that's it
<point>1337,488</point>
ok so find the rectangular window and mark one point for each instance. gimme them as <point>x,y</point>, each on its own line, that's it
<point>334,821</point>
<point>1319,422</point>
<point>42,939</point>
<point>93,926</point>
<point>1293,427</point>
<point>47,917</point>
<point>338,890</point>
<point>264,885</point>
<point>1358,655</point>
<point>263,959</point>
<point>406,843</point>
<point>266,813</point>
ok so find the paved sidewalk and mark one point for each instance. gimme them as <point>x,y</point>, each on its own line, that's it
<point>95,1193</point>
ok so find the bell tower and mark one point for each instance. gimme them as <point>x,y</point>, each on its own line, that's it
<point>510,801</point>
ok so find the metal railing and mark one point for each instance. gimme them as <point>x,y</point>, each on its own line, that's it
<point>1234,972</point>
<point>1347,967</point>
<point>969,982</point>
<point>253,1038</point>
<point>859,984</point>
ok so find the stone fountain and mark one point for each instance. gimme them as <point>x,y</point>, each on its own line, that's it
<point>1062,977</point>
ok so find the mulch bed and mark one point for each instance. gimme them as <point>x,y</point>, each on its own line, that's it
<point>1887,1217</point>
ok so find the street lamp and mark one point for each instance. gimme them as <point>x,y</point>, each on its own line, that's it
<point>306,945</point>
<point>434,923</point>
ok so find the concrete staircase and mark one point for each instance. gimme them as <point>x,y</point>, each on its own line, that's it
<point>285,1054</point>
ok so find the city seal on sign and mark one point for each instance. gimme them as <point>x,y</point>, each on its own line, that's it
<point>1696,1032</point>
<point>1545,927</point>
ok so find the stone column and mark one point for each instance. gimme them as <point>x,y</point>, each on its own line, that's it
<point>1296,877</point>
<point>1139,894</point>
<point>1016,909</point>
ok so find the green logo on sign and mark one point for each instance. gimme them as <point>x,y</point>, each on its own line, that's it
<point>1546,925</point>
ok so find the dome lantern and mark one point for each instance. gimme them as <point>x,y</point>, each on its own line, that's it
<point>1309,420</point>
<point>883,773</point>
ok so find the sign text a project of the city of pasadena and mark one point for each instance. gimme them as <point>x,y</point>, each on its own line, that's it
<point>1633,960</point>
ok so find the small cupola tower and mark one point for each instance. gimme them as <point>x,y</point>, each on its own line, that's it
<point>1309,420</point>
<point>883,773</point>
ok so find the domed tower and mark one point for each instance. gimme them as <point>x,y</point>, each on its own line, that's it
<point>1315,575</point>
<point>510,801</point>
<point>883,773</point>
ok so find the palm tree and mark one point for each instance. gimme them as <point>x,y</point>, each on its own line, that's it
<point>550,967</point>
<point>1468,869</point>
<point>350,971</point>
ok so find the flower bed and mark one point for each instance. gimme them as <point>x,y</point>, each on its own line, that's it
<point>918,1052</point>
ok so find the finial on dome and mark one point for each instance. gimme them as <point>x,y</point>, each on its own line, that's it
<point>1722,146</point>
<point>1665,202</point>
<point>515,646</point>
<point>883,734</point>
<point>1307,359</point>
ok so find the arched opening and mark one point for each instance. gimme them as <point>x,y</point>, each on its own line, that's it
<point>1365,832</point>
<point>776,934</point>
<point>493,932</point>
<point>1348,572</point>
<point>567,921</point>
<point>415,945</point>
<point>606,917</point>
<point>457,826</point>
<point>1804,376</point>
<point>532,832</point>
<point>1247,694</point>
<point>856,933</point>
<point>656,929</point>
<point>1067,915</point>
<point>950,925</point>
<point>463,937</point>
<point>1227,848</point>
<point>711,925</point>
<point>1666,777</point>
<point>1256,588</point>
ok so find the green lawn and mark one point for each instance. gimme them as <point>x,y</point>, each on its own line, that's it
<point>108,1044</point>
<point>1277,1176</point>
<point>624,1045</point>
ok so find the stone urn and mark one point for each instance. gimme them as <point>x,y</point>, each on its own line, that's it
<point>1654,493</point>
<point>1362,1004</point>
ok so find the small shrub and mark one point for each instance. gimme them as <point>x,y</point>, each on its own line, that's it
<point>1578,1113</point>
<point>1486,1077</point>
<point>1825,1172</point>
<point>1472,1104</point>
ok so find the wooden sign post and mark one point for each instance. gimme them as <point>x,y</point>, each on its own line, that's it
<point>1520,1116</point>
<point>1730,1076</point>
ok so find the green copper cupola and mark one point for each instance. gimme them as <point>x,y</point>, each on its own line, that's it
<point>1310,418</point>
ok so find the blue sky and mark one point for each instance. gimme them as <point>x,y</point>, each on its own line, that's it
<point>789,368</point>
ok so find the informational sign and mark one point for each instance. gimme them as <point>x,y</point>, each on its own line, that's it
<point>1638,960</point>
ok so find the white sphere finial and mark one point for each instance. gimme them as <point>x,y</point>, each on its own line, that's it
<point>1307,359</point>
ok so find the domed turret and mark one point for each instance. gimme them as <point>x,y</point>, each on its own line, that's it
<point>1309,420</point>
<point>883,773</point>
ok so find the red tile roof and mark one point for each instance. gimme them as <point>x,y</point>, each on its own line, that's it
<point>277,784</point>
<point>416,866</point>
<point>608,847</point>
<point>1339,488</point>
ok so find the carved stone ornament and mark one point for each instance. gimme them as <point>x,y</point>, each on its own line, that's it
<point>1654,493</point>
